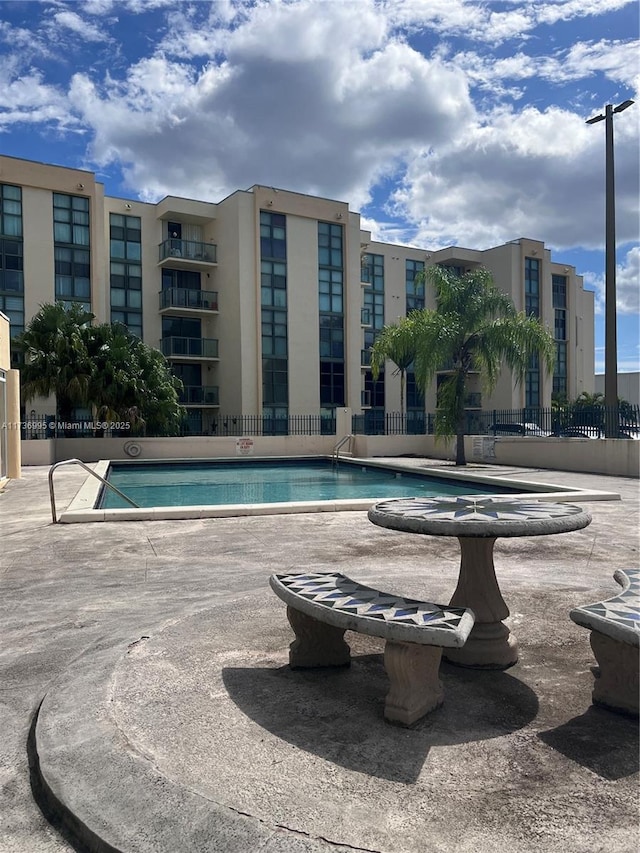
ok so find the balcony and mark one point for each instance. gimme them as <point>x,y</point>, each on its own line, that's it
<point>178,300</point>
<point>187,254</point>
<point>197,349</point>
<point>203,396</point>
<point>365,399</point>
<point>365,318</point>
<point>365,359</point>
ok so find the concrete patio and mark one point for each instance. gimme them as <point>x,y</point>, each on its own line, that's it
<point>172,723</point>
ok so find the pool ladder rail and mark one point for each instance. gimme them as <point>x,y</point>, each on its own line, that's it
<point>93,474</point>
<point>335,456</point>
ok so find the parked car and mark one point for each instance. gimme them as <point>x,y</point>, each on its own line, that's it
<point>517,429</point>
<point>579,432</point>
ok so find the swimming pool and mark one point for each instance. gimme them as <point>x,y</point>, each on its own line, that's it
<point>401,479</point>
<point>217,483</point>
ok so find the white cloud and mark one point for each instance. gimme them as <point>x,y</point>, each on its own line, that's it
<point>318,106</point>
<point>534,173</point>
<point>627,285</point>
<point>76,24</point>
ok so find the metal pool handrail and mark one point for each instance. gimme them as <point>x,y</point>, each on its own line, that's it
<point>336,450</point>
<point>93,474</point>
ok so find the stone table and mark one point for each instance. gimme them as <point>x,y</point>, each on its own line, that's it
<point>478,522</point>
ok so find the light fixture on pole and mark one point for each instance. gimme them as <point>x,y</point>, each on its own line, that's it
<point>610,331</point>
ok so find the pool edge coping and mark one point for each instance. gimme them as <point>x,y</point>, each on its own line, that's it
<point>81,509</point>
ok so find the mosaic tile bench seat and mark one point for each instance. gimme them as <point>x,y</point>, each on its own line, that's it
<point>322,606</point>
<point>615,640</point>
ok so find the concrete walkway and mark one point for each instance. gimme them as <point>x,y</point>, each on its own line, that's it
<point>171,722</point>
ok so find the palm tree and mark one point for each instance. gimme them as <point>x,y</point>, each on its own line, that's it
<point>474,327</point>
<point>395,343</point>
<point>57,361</point>
<point>104,368</point>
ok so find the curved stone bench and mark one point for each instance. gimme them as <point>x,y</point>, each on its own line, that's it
<point>615,640</point>
<point>322,606</point>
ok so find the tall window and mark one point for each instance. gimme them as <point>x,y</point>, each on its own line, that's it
<point>125,250</point>
<point>414,289</point>
<point>559,286</point>
<point>11,258</point>
<point>331,316</point>
<point>72,261</point>
<point>532,308</point>
<point>373,298</point>
<point>273,289</point>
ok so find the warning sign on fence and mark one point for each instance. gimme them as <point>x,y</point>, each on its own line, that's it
<point>244,447</point>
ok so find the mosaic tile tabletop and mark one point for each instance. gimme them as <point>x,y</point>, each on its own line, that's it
<point>478,516</point>
<point>619,616</point>
<point>340,601</point>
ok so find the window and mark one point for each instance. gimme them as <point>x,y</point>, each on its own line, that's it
<point>373,270</point>
<point>71,219</point>
<point>560,371</point>
<point>181,327</point>
<point>331,337</point>
<point>331,314</point>
<point>559,286</point>
<point>10,211</point>
<point>414,289</point>
<point>273,235</point>
<point>275,382</point>
<point>274,333</point>
<point>185,279</point>
<point>273,299</point>
<point>125,237</point>
<point>13,308</point>
<point>332,383</point>
<point>72,260</point>
<point>126,271</point>
<point>11,274</point>
<point>11,259</point>
<point>532,383</point>
<point>330,291</point>
<point>532,287</point>
<point>329,245</point>
<point>532,309</point>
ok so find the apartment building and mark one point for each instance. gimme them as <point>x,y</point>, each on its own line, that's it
<point>267,301</point>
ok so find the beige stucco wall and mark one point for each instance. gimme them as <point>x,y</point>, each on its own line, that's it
<point>612,457</point>
<point>10,444</point>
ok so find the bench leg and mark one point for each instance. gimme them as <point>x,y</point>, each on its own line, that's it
<point>316,643</point>
<point>616,686</point>
<point>415,686</point>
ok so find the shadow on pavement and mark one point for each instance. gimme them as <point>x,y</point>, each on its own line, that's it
<point>337,714</point>
<point>602,741</point>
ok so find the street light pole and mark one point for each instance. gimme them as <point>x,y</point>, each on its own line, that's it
<point>610,328</point>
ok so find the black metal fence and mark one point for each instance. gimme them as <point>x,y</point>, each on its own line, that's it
<point>222,425</point>
<point>569,421</point>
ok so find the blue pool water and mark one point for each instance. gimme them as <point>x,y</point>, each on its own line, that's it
<point>161,484</point>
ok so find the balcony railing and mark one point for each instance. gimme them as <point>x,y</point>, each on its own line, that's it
<point>202,348</point>
<point>365,317</point>
<point>199,395</point>
<point>184,297</point>
<point>365,358</point>
<point>190,250</point>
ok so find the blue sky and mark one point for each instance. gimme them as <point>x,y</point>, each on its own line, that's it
<point>444,122</point>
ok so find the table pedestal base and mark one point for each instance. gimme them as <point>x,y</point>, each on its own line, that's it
<point>490,644</point>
